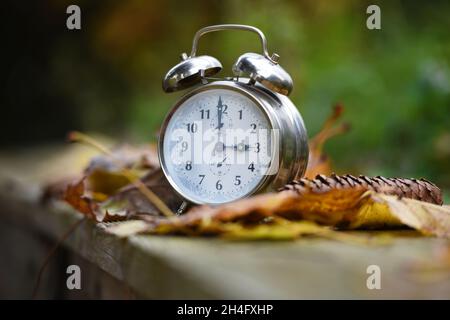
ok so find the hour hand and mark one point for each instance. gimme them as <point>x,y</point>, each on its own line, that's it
<point>219,164</point>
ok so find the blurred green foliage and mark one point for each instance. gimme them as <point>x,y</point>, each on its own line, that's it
<point>393,82</point>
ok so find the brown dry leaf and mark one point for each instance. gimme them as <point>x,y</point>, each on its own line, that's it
<point>113,216</point>
<point>105,183</point>
<point>124,203</point>
<point>318,162</point>
<point>277,229</point>
<point>283,229</point>
<point>114,182</point>
<point>304,207</point>
<point>105,172</point>
<point>342,208</point>
<point>56,189</point>
<point>75,196</point>
<point>330,208</point>
<point>106,177</point>
<point>138,203</point>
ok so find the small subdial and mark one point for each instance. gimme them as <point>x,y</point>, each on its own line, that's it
<point>219,164</point>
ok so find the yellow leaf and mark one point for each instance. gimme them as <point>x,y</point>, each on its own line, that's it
<point>430,219</point>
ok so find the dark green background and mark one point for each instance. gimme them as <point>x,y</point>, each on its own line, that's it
<point>394,82</point>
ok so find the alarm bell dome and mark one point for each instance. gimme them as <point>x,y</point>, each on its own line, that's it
<point>190,72</point>
<point>265,71</point>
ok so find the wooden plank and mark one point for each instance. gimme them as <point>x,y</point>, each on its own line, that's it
<point>179,267</point>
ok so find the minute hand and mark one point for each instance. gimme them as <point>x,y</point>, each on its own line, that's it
<point>219,114</point>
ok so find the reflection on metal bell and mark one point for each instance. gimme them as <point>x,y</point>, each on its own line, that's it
<point>190,72</point>
<point>267,72</point>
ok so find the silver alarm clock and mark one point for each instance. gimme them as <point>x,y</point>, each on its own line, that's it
<point>233,137</point>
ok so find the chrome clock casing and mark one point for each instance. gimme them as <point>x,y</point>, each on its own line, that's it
<point>291,147</point>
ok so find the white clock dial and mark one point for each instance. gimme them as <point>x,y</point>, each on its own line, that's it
<point>217,146</point>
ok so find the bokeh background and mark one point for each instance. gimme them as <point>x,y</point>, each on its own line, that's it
<point>106,77</point>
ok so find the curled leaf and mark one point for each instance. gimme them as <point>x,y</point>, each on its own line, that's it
<point>106,176</point>
<point>75,196</point>
<point>353,208</point>
<point>428,218</point>
<point>319,162</point>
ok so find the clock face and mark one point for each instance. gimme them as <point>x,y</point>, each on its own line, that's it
<point>217,146</point>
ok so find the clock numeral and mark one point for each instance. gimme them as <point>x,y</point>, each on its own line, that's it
<point>192,127</point>
<point>204,114</point>
<point>184,146</point>
<point>251,167</point>
<point>240,114</point>
<point>237,180</point>
<point>219,185</point>
<point>202,177</point>
<point>258,147</point>
<point>188,165</point>
<point>253,126</point>
<point>224,109</point>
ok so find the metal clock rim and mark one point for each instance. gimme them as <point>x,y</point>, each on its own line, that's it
<point>234,86</point>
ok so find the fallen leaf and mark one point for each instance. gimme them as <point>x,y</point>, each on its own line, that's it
<point>137,203</point>
<point>126,228</point>
<point>354,208</point>
<point>114,210</point>
<point>283,229</point>
<point>277,229</point>
<point>430,219</point>
<point>75,196</point>
<point>105,183</point>
<point>106,172</point>
<point>319,162</point>
<point>315,206</point>
<point>335,207</point>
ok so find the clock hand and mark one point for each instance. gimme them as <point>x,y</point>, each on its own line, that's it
<point>219,164</point>
<point>219,116</point>
<point>240,147</point>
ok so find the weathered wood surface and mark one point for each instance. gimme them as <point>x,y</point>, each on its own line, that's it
<point>179,267</point>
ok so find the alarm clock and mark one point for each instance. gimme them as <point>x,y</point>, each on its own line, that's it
<point>232,137</point>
